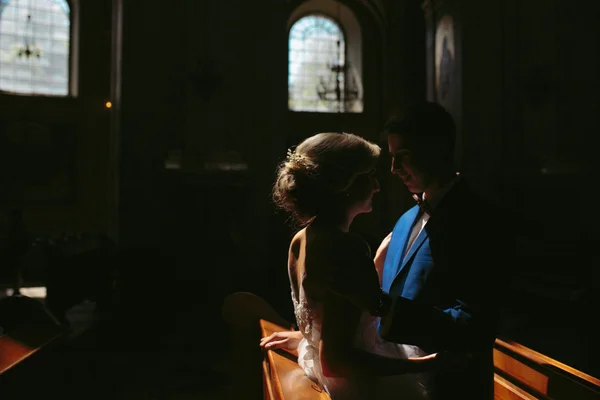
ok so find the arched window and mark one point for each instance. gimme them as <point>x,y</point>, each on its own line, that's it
<point>319,77</point>
<point>35,38</point>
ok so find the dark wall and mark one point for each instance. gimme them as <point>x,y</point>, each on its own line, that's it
<point>524,92</point>
<point>524,88</point>
<point>77,195</point>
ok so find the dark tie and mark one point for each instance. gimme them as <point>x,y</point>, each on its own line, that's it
<point>423,204</point>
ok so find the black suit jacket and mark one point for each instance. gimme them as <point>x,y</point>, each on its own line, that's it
<point>448,294</point>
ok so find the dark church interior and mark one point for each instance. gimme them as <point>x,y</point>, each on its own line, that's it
<point>139,143</point>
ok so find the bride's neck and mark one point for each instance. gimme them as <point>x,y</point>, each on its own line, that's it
<point>339,222</point>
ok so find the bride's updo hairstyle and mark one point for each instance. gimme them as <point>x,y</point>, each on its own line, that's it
<point>316,177</point>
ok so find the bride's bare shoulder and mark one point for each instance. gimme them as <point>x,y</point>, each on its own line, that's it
<point>297,241</point>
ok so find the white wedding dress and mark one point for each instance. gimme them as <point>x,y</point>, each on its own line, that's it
<point>309,318</point>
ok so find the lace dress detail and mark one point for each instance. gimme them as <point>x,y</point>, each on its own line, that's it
<point>304,316</point>
<point>308,321</point>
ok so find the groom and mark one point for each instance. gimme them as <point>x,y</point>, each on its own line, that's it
<point>443,261</point>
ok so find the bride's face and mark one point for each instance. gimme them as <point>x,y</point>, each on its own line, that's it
<point>364,188</point>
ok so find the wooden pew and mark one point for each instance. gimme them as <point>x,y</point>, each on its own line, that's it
<point>28,331</point>
<point>521,374</point>
<point>283,379</point>
<point>24,342</point>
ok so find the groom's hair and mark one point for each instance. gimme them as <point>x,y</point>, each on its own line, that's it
<point>425,124</point>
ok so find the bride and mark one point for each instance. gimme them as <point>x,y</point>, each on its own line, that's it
<point>324,184</point>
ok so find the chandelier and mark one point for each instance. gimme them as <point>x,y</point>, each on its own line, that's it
<point>339,84</point>
<point>29,49</point>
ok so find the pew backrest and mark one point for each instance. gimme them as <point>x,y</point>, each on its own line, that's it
<point>521,370</point>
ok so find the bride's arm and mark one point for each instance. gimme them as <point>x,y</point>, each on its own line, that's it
<point>339,356</point>
<point>353,362</point>
<point>288,340</point>
<point>352,275</point>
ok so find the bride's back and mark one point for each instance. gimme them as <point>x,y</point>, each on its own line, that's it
<point>322,262</point>
<point>311,260</point>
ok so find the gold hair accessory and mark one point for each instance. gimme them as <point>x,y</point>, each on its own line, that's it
<point>300,160</point>
<point>294,157</point>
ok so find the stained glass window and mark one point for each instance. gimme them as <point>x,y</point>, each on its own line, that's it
<point>317,70</point>
<point>35,40</point>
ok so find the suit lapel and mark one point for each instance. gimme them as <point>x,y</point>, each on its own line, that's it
<point>415,247</point>
<point>398,247</point>
<point>401,258</point>
<point>459,193</point>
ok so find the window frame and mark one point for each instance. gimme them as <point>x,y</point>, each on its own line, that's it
<point>72,73</point>
<point>340,25</point>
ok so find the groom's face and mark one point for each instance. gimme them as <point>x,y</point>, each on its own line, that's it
<point>405,163</point>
